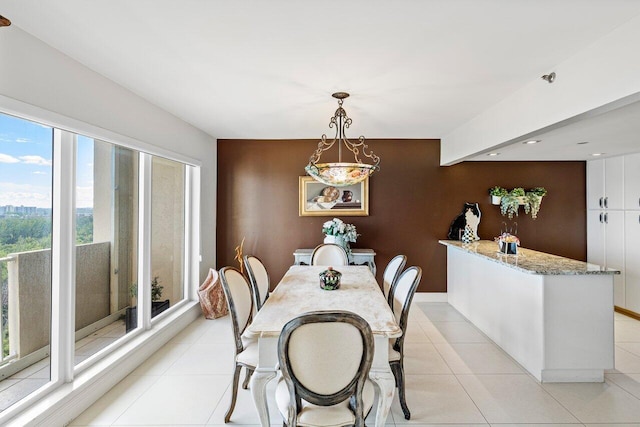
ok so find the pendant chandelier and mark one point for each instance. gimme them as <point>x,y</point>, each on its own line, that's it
<point>341,174</point>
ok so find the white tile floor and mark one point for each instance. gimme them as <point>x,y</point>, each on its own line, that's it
<point>455,376</point>
<point>25,382</point>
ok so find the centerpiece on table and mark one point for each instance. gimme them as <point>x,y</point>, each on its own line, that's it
<point>330,279</point>
<point>336,231</point>
<point>508,243</point>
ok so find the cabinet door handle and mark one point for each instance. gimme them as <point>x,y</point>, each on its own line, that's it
<point>606,218</point>
<point>606,202</point>
<point>601,217</point>
<point>600,201</point>
<point>639,219</point>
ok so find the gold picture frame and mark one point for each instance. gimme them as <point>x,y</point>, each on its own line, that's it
<point>318,199</point>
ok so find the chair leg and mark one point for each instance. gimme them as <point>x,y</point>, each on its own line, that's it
<point>247,377</point>
<point>401,393</point>
<point>394,370</point>
<point>234,393</point>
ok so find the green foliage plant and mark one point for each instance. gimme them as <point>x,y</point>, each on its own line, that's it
<point>498,191</point>
<point>518,192</point>
<point>530,199</point>
<point>509,205</point>
<point>533,199</point>
<point>156,289</point>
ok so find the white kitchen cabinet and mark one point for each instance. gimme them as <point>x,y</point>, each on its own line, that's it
<point>595,184</point>
<point>632,181</point>
<point>613,223</point>
<point>605,183</point>
<point>595,237</point>
<point>606,246</point>
<point>632,260</point>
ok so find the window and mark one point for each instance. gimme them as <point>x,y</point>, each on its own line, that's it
<point>106,244</point>
<point>167,234</point>
<point>25,257</point>
<point>41,168</point>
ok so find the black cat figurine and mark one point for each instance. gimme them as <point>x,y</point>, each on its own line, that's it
<point>470,217</point>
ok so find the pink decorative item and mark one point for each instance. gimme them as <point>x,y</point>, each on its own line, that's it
<point>211,296</point>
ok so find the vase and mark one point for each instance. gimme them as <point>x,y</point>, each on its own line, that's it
<point>338,240</point>
<point>509,248</point>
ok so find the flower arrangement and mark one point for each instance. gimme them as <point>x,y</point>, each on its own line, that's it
<point>337,227</point>
<point>507,238</point>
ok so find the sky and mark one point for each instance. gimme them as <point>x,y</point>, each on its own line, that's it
<point>26,164</point>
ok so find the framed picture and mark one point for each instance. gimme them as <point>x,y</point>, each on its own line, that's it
<point>318,199</point>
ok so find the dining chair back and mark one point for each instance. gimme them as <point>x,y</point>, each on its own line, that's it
<point>402,295</point>
<point>391,275</point>
<point>325,358</point>
<point>239,296</point>
<point>259,279</point>
<point>329,254</point>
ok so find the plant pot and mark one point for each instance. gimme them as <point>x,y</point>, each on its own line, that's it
<point>338,240</point>
<point>495,200</point>
<point>131,314</point>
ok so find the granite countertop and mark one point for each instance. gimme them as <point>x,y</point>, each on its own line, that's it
<point>528,260</point>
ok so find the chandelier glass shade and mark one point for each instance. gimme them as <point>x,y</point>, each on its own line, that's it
<point>341,174</point>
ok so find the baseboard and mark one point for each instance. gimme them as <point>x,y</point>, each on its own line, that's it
<point>430,297</point>
<point>62,405</point>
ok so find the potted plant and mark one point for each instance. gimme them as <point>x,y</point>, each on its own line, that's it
<point>533,199</point>
<point>510,203</point>
<point>157,306</point>
<point>496,194</point>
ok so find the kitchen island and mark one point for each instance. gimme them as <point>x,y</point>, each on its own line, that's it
<point>552,314</point>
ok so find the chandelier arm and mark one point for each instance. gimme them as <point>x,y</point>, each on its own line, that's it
<point>323,145</point>
<point>354,147</point>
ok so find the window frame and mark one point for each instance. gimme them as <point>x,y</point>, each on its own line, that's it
<point>63,253</point>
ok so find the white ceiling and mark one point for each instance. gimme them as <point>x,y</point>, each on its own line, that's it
<point>266,69</point>
<point>605,133</point>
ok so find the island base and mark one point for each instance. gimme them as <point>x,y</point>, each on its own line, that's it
<point>558,327</point>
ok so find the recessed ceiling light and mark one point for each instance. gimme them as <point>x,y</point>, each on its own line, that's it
<point>583,142</point>
<point>531,141</point>
<point>493,154</point>
<point>596,154</point>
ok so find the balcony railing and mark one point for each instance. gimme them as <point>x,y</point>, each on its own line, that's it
<point>6,355</point>
<point>26,298</point>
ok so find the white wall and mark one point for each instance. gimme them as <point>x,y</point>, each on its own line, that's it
<point>603,73</point>
<point>42,84</point>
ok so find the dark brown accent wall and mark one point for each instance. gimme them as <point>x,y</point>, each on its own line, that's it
<point>412,203</point>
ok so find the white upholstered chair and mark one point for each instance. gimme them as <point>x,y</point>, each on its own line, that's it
<point>329,254</point>
<point>239,296</point>
<point>401,296</point>
<point>391,274</point>
<point>325,358</point>
<point>259,279</point>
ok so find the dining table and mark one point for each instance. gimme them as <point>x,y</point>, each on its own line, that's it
<point>299,292</point>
